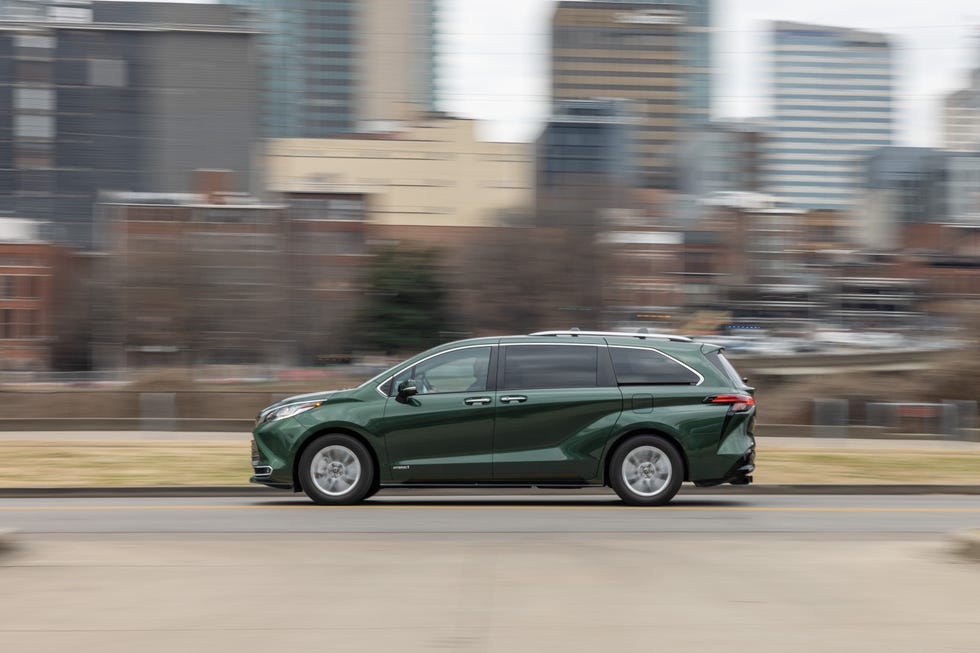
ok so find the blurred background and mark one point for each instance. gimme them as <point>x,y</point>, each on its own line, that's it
<point>297,192</point>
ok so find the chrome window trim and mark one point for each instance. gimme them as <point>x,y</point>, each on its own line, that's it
<point>679,362</point>
<point>438,353</point>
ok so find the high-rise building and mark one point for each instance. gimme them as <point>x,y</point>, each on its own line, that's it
<point>120,96</point>
<point>721,157</point>
<point>586,144</point>
<point>961,118</point>
<point>655,54</point>
<point>833,102</point>
<point>961,110</point>
<point>340,66</point>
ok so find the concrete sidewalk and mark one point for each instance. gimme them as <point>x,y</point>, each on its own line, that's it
<point>507,593</point>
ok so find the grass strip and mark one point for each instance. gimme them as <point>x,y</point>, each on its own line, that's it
<point>162,463</point>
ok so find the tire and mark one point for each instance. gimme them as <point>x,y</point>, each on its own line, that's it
<point>375,486</point>
<point>336,470</point>
<point>646,470</point>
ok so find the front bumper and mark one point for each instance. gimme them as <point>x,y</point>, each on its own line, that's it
<point>263,472</point>
<point>264,480</point>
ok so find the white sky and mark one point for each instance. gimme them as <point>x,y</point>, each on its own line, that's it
<point>495,57</point>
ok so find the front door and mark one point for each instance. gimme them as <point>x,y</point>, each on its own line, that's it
<point>443,434</point>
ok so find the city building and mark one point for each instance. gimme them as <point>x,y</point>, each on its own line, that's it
<point>721,157</point>
<point>655,54</point>
<point>344,65</point>
<point>961,110</point>
<point>913,185</point>
<point>833,101</point>
<point>584,162</point>
<point>436,173</point>
<point>191,278</point>
<point>904,185</point>
<point>123,96</point>
<point>325,246</point>
<point>587,143</point>
<point>961,117</point>
<point>30,270</point>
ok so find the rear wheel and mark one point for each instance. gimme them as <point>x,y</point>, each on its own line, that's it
<point>646,470</point>
<point>335,470</point>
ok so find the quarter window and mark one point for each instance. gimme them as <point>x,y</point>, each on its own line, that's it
<point>527,367</point>
<point>649,367</point>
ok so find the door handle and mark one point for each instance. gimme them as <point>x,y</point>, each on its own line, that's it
<point>477,401</point>
<point>513,399</point>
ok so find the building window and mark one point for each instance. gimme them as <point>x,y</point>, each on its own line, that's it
<point>32,71</point>
<point>27,126</point>
<point>34,41</point>
<point>41,99</point>
<point>107,72</point>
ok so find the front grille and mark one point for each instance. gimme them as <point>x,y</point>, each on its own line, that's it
<point>255,454</point>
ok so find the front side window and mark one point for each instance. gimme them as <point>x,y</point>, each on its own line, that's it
<point>528,367</point>
<point>649,367</point>
<point>462,370</point>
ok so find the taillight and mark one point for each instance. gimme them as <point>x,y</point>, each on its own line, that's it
<point>738,403</point>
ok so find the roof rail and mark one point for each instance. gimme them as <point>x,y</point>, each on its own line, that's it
<point>619,334</point>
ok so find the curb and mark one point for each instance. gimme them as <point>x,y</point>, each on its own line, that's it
<point>252,491</point>
<point>969,544</point>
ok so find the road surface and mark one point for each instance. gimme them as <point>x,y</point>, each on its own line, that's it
<point>565,513</point>
<point>491,574</point>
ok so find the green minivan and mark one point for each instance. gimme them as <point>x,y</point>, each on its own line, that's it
<point>638,412</point>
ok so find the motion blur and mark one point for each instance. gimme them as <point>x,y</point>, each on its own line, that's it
<point>242,190</point>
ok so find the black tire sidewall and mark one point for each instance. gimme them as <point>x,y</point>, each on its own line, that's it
<point>364,483</point>
<point>617,483</point>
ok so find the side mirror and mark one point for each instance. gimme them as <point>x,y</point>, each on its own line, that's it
<point>406,389</point>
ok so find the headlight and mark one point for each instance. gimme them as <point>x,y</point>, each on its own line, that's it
<point>286,411</point>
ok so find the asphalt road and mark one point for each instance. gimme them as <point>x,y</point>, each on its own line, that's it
<point>568,513</point>
<point>505,574</point>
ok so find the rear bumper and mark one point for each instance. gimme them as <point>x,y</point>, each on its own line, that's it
<point>740,473</point>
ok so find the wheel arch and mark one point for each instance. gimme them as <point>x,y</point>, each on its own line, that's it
<point>615,444</point>
<point>333,430</point>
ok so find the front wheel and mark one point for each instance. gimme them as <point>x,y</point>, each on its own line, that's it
<point>646,470</point>
<point>336,470</point>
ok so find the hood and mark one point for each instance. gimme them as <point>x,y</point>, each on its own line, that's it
<point>322,395</point>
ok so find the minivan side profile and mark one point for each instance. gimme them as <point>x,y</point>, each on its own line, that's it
<point>640,413</point>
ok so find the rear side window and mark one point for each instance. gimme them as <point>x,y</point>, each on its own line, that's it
<point>527,367</point>
<point>650,367</point>
<point>722,364</point>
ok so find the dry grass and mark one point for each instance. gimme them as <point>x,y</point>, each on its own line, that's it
<point>787,466</point>
<point>79,463</point>
<point>103,463</point>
